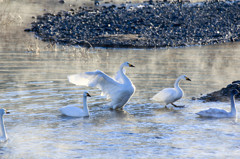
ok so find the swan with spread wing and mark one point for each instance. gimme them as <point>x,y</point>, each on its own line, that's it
<point>119,90</point>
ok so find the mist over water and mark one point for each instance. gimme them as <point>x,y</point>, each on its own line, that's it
<point>33,86</point>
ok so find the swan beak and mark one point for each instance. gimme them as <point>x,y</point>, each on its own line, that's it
<point>7,112</point>
<point>188,79</point>
<point>88,95</point>
<point>130,65</point>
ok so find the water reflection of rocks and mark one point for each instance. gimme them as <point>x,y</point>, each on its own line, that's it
<point>142,25</point>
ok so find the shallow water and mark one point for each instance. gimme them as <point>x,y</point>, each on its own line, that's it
<point>33,86</point>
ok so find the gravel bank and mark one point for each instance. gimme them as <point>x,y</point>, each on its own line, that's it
<point>142,25</point>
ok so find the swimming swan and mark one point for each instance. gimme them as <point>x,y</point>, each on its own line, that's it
<point>170,95</point>
<point>4,136</point>
<point>119,89</point>
<point>220,113</point>
<point>75,111</point>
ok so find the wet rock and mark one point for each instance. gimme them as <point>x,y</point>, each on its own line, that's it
<point>143,25</point>
<point>222,95</point>
<point>61,1</point>
<point>27,30</point>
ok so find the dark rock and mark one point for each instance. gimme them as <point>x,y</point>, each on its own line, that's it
<point>236,82</point>
<point>61,1</point>
<point>96,2</point>
<point>27,30</point>
<point>222,95</point>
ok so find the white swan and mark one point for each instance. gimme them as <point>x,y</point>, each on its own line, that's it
<point>4,136</point>
<point>119,90</point>
<point>170,95</point>
<point>75,111</point>
<point>220,113</point>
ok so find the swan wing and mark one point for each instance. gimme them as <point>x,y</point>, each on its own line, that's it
<point>167,95</point>
<point>106,84</point>
<point>72,111</point>
<point>213,112</point>
<point>118,76</point>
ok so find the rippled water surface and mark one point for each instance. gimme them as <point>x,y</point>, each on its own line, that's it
<point>33,86</point>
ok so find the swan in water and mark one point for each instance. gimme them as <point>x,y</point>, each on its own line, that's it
<point>120,89</point>
<point>75,111</point>
<point>220,113</point>
<point>4,134</point>
<point>170,95</point>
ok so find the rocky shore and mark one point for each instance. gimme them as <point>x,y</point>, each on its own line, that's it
<point>142,25</point>
<point>222,95</point>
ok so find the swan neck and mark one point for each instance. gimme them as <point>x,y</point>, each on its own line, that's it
<point>125,78</point>
<point>85,107</point>
<point>121,67</point>
<point>176,84</point>
<point>233,107</point>
<point>4,134</point>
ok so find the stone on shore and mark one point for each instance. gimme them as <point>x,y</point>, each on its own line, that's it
<point>222,95</point>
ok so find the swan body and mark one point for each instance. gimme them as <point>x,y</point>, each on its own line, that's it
<point>119,90</point>
<point>170,95</point>
<point>220,113</point>
<point>4,136</point>
<point>75,111</point>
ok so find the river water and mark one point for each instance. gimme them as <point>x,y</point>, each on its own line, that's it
<point>34,85</point>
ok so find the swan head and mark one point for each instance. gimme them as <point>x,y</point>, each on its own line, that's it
<point>184,77</point>
<point>86,94</point>
<point>3,111</point>
<point>234,92</point>
<point>128,64</point>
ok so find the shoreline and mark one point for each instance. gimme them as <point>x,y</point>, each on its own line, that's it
<point>158,25</point>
